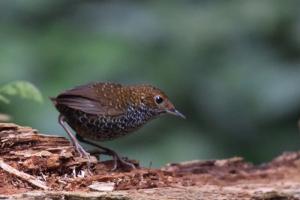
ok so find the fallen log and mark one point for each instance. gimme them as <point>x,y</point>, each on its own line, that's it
<point>35,166</point>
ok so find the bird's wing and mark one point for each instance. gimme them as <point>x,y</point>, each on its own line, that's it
<point>93,98</point>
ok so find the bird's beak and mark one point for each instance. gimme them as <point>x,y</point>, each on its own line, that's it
<point>176,113</point>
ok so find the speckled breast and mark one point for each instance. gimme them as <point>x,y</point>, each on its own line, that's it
<point>101,127</point>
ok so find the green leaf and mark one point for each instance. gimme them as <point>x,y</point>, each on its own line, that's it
<point>20,88</point>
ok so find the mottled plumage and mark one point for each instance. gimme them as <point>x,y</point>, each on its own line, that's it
<point>104,111</point>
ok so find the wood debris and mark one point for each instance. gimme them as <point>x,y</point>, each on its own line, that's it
<point>49,165</point>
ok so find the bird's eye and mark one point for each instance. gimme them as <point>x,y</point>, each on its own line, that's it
<point>158,99</point>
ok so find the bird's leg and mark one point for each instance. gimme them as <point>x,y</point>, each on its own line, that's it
<point>78,147</point>
<point>98,152</point>
<point>108,151</point>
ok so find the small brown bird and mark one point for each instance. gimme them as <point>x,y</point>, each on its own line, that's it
<point>105,111</point>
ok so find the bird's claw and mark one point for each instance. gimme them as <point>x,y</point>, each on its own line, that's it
<point>84,154</point>
<point>118,160</point>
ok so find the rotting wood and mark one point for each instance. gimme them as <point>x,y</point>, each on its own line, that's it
<point>53,160</point>
<point>26,177</point>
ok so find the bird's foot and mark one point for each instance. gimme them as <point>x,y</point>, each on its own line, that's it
<point>84,154</point>
<point>118,162</point>
<point>80,150</point>
<point>121,163</point>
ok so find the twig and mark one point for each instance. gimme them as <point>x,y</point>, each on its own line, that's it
<point>22,175</point>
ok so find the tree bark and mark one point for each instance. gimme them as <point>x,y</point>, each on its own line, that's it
<point>35,166</point>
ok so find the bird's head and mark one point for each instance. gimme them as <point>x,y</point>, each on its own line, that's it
<point>155,99</point>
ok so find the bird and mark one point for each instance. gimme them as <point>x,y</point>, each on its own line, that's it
<point>101,111</point>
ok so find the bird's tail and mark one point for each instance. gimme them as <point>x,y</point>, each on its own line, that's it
<point>53,99</point>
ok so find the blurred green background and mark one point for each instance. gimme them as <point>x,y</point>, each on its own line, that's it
<point>232,67</point>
